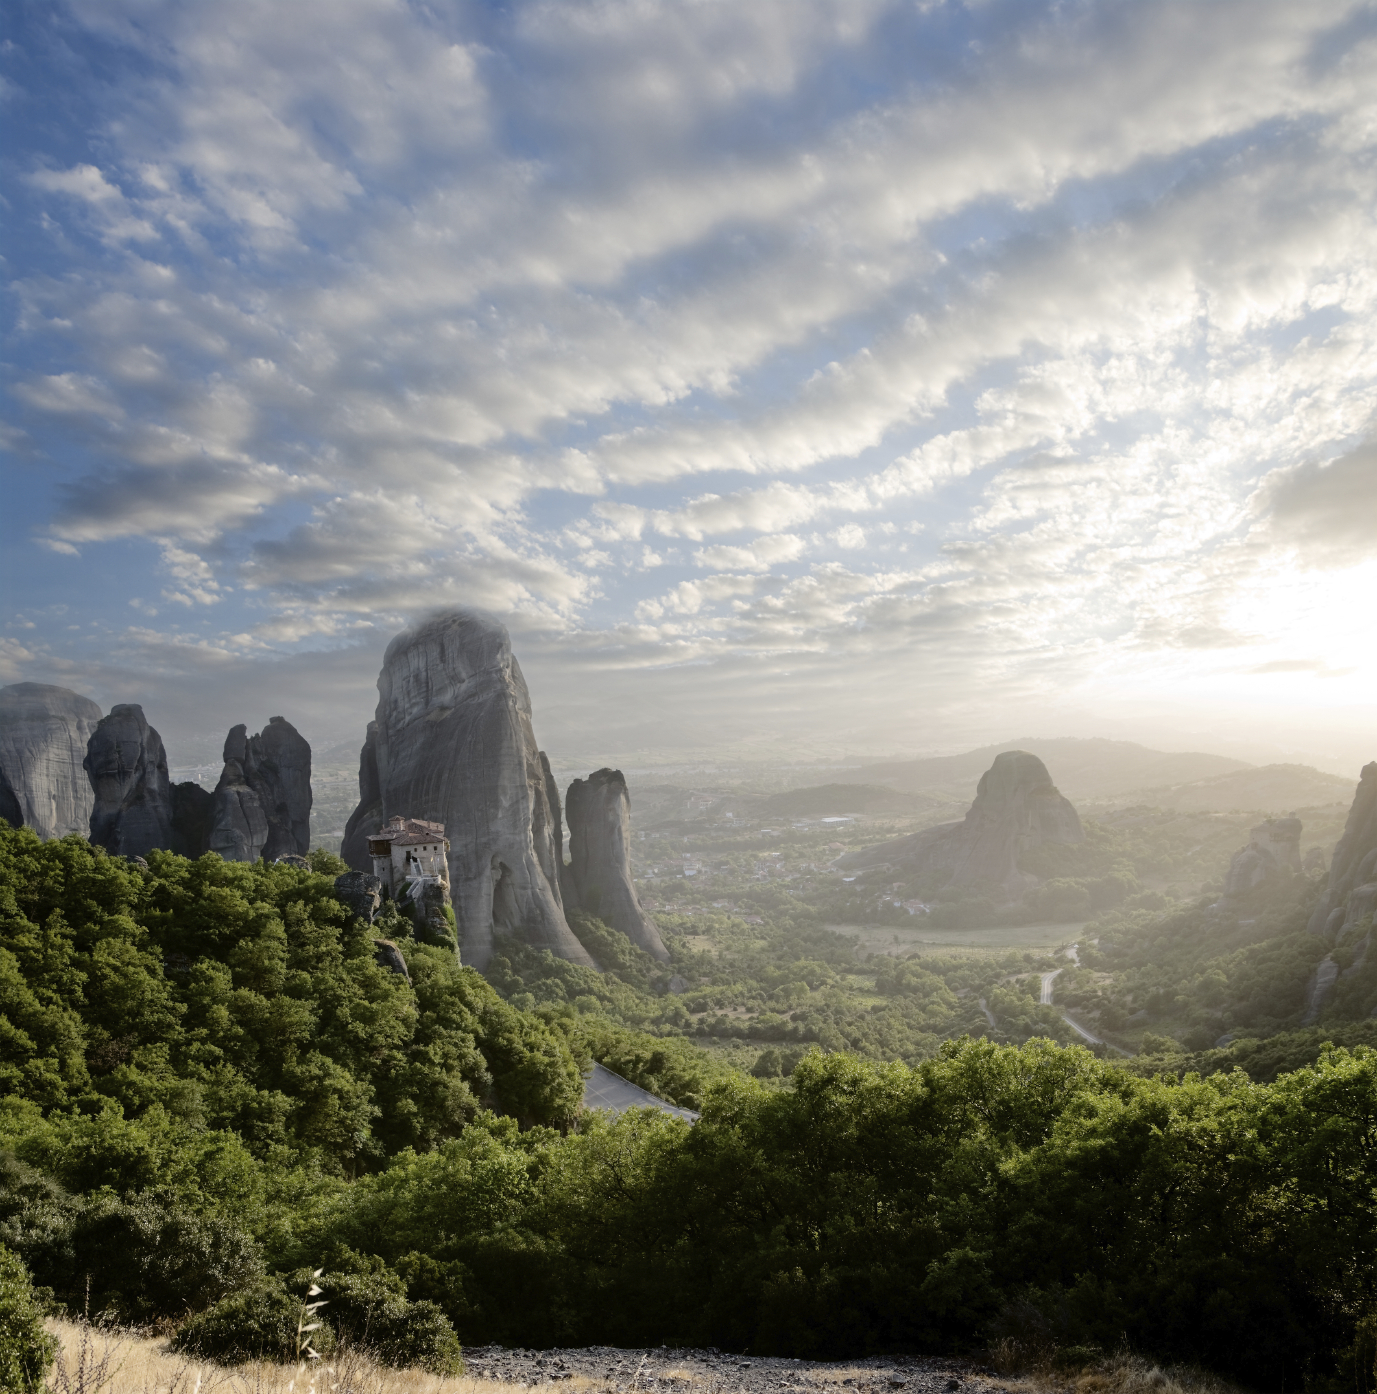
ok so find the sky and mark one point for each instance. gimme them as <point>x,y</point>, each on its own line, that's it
<point>806,377</point>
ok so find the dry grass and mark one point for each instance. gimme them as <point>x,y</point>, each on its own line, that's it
<point>1122,1374</point>
<point>95,1361</point>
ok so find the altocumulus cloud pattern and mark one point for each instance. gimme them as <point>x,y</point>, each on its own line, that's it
<point>827,365</point>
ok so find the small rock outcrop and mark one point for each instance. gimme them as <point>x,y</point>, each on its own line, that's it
<point>387,955</point>
<point>1016,808</point>
<point>127,766</point>
<point>599,812</point>
<point>1348,897</point>
<point>452,743</point>
<point>262,804</point>
<point>360,892</point>
<point>1273,848</point>
<point>44,732</point>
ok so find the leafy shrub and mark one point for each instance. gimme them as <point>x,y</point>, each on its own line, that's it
<point>365,1304</point>
<point>26,1349</point>
<point>612,950</point>
<point>257,1323</point>
<point>150,1256</point>
<point>368,1306</point>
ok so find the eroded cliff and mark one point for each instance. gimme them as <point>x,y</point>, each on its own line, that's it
<point>452,742</point>
<point>599,813</point>
<point>44,731</point>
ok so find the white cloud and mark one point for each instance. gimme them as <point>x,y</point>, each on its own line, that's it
<point>393,306</point>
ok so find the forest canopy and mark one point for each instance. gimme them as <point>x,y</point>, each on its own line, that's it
<point>208,1073</point>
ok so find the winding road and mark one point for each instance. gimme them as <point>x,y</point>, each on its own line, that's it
<point>1073,953</point>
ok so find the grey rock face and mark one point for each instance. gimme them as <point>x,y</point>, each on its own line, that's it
<point>291,859</point>
<point>387,955</point>
<point>1016,808</point>
<point>599,813</point>
<point>127,766</point>
<point>1273,847</point>
<point>428,905</point>
<point>44,732</point>
<point>367,816</point>
<point>262,804</point>
<point>1355,858</point>
<point>361,893</point>
<point>192,811</point>
<point>453,743</point>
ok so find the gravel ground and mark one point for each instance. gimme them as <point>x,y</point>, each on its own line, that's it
<point>665,1371</point>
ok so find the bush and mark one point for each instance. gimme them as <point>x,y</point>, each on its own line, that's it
<point>26,1349</point>
<point>367,1306</point>
<point>259,1323</point>
<point>149,1256</point>
<point>614,952</point>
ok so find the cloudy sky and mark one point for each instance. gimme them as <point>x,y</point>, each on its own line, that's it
<point>864,375</point>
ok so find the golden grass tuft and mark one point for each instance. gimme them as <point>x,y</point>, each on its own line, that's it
<point>1120,1374</point>
<point>96,1361</point>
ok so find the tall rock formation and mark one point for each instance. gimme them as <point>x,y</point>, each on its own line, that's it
<point>452,743</point>
<point>599,812</point>
<point>127,766</point>
<point>1273,847</point>
<point>1351,893</point>
<point>1016,808</point>
<point>44,731</point>
<point>262,804</point>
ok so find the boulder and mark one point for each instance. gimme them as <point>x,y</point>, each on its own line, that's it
<point>127,768</point>
<point>1355,858</point>
<point>453,743</point>
<point>360,892</point>
<point>387,955</point>
<point>599,872</point>
<point>428,903</point>
<point>262,804</point>
<point>291,859</point>
<point>1016,808</point>
<point>44,733</point>
<point>1273,849</point>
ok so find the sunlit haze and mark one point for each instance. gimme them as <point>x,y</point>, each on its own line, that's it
<point>800,377</point>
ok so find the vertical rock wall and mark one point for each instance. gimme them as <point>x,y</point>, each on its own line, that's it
<point>44,732</point>
<point>452,742</point>
<point>599,813</point>
<point>132,811</point>
<point>262,804</point>
<point>1354,867</point>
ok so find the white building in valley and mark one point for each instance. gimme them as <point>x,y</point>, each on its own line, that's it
<point>408,852</point>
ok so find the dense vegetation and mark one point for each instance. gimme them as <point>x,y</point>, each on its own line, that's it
<point>211,1087</point>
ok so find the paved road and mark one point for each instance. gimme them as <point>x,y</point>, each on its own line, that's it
<point>610,1091</point>
<point>1047,980</point>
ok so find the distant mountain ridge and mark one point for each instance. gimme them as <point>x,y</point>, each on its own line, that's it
<point>1268,788</point>
<point>1090,768</point>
